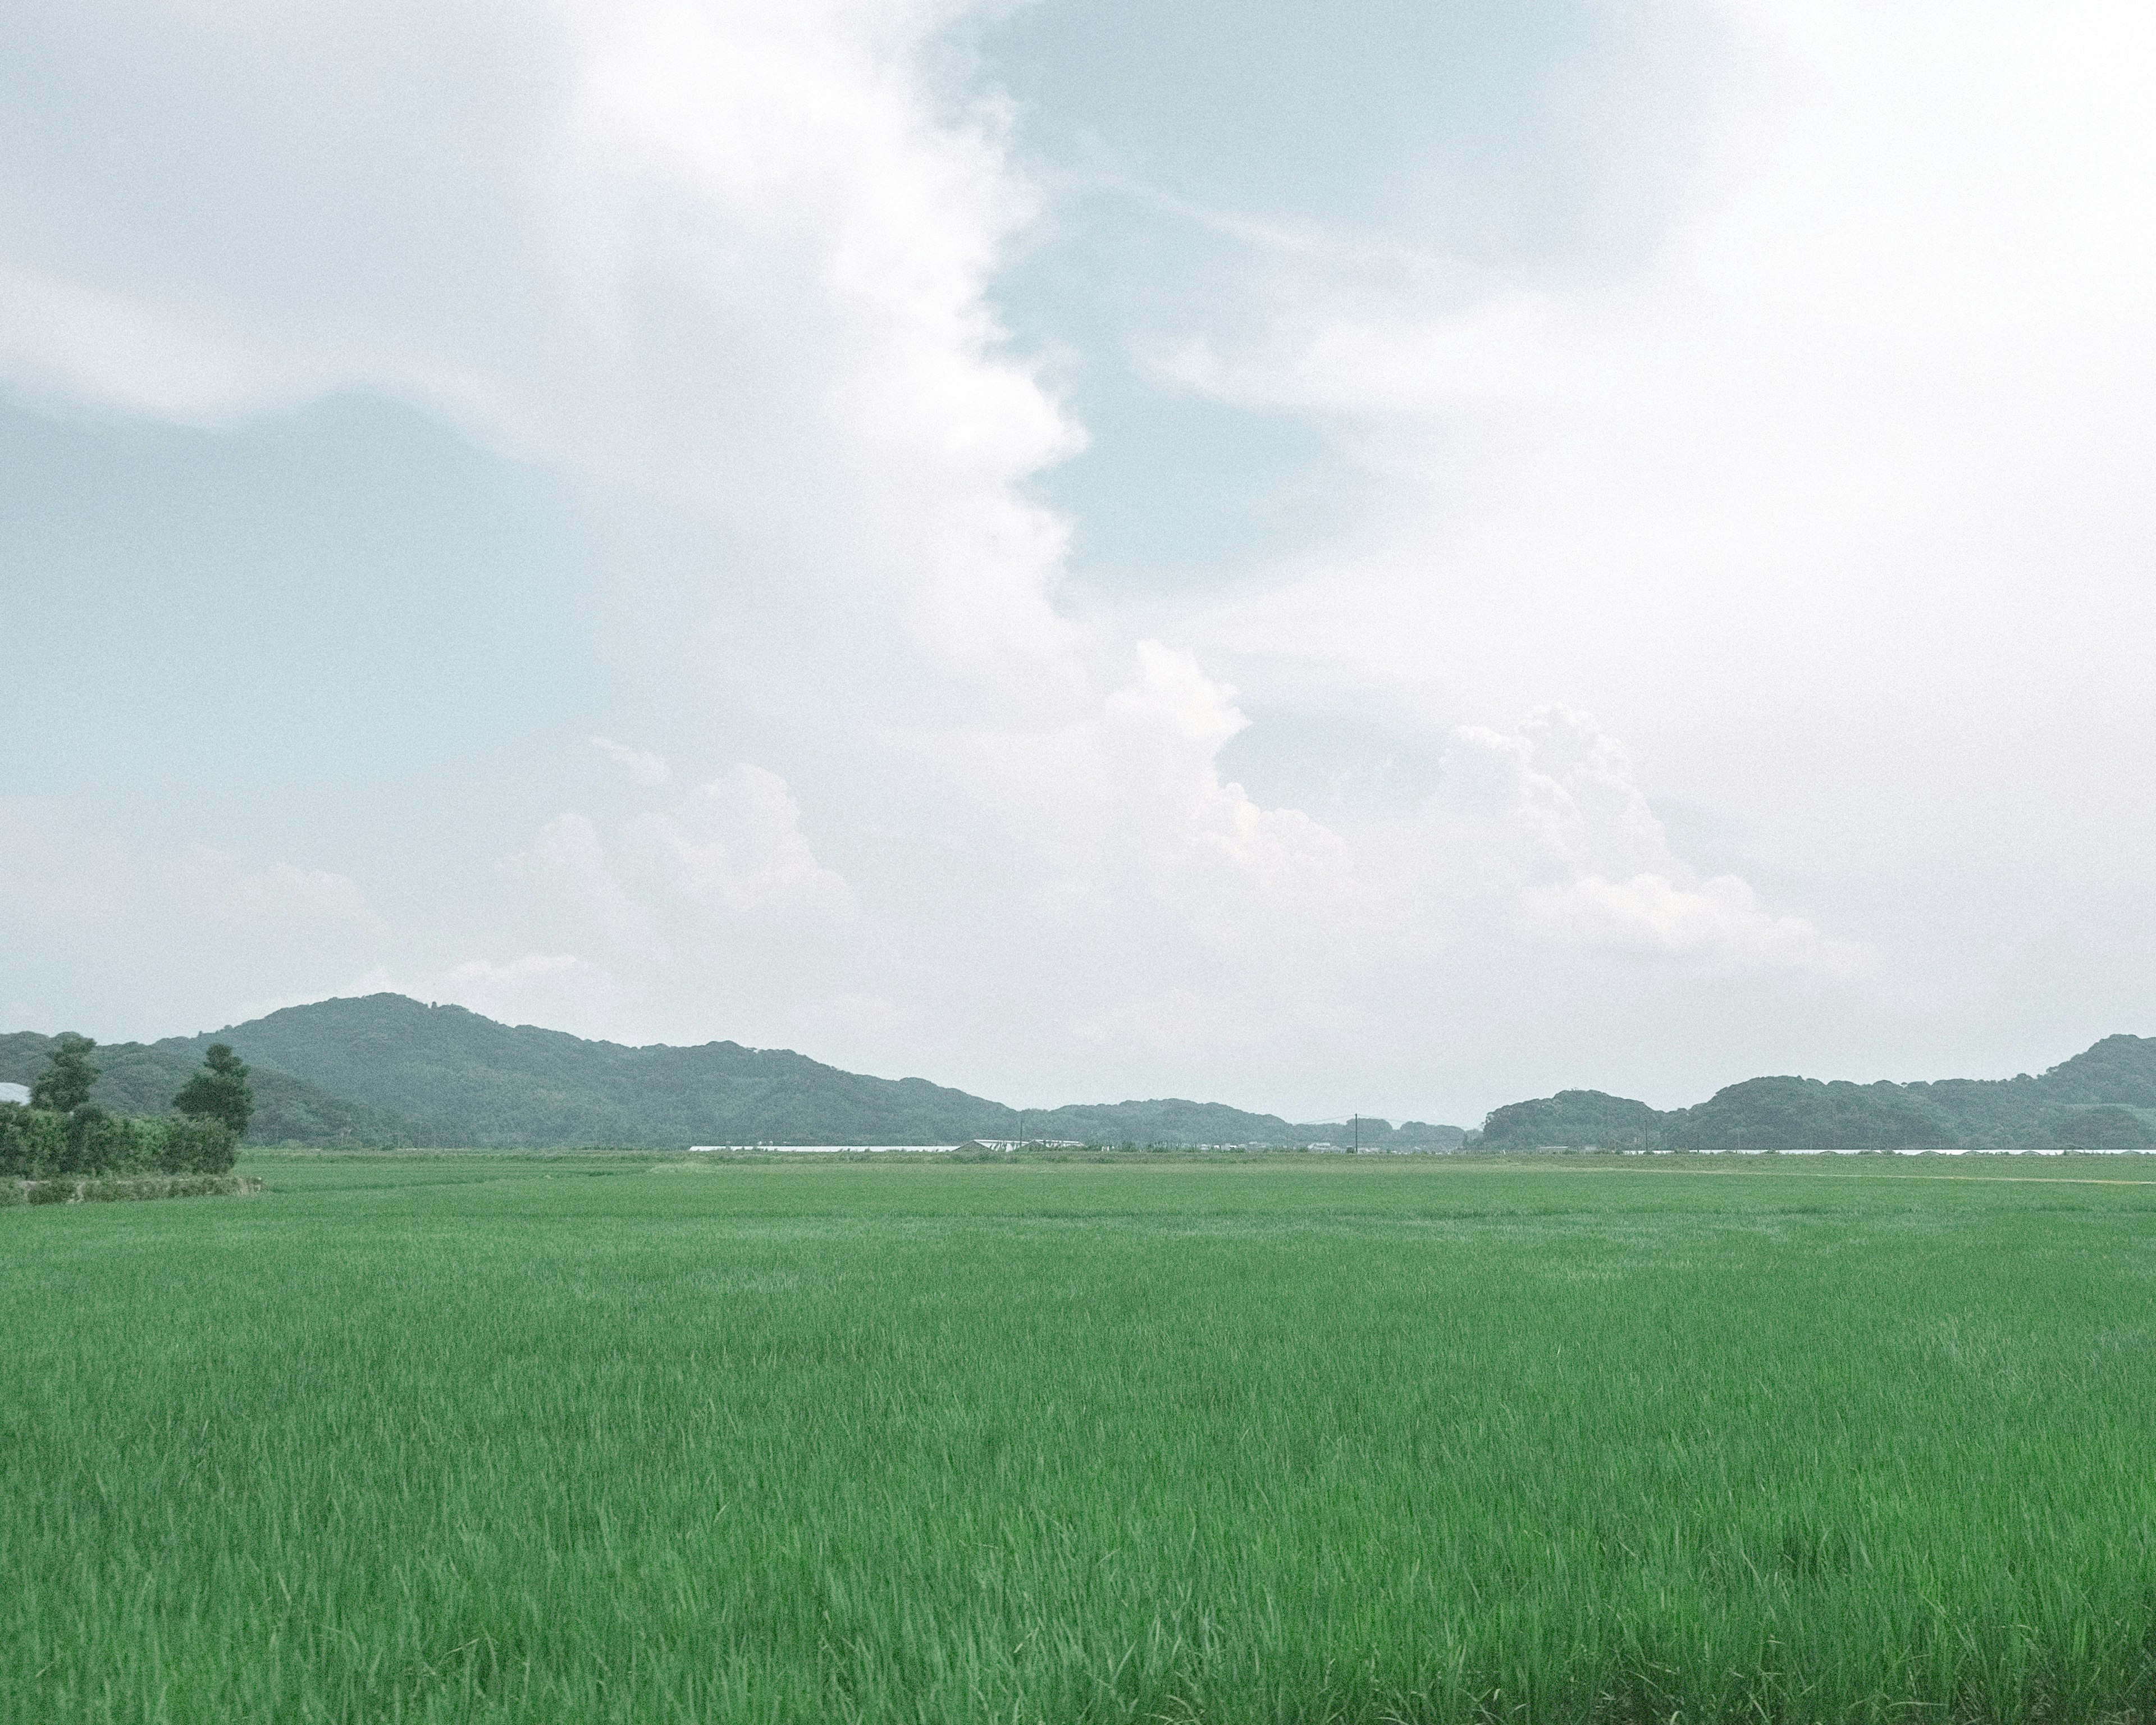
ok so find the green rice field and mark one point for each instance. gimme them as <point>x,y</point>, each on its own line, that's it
<point>1295,1439</point>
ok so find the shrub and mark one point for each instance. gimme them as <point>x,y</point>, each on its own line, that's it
<point>100,1142</point>
<point>48,1191</point>
<point>33,1141</point>
<point>195,1144</point>
<point>36,1143</point>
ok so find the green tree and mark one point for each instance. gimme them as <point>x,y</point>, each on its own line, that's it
<point>219,1091</point>
<point>64,1086</point>
<point>98,1142</point>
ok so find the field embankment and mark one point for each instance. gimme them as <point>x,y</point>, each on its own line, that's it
<point>93,1189</point>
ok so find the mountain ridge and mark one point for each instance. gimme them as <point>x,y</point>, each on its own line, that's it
<point>384,1068</point>
<point>450,1076</point>
<point>2103,1098</point>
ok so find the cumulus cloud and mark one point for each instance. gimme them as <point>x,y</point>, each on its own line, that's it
<point>1551,816</point>
<point>730,850</point>
<point>1273,923</point>
<point>1824,492</point>
<point>1125,811</point>
<point>787,176</point>
<point>1862,420</point>
<point>641,765</point>
<point>732,256</point>
<point>712,914</point>
<point>726,266</point>
<point>1719,919</point>
<point>735,265</point>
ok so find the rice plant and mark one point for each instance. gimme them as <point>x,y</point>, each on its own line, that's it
<point>488,1438</point>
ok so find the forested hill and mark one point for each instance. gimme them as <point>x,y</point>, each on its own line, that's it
<point>2102,1099</point>
<point>448,1076</point>
<point>386,1070</point>
<point>460,1079</point>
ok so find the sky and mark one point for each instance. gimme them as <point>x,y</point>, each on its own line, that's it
<point>1090,548</point>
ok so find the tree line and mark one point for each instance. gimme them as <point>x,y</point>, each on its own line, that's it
<point>61,1131</point>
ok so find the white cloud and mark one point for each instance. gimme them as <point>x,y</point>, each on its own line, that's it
<point>1829,497</point>
<point>732,256</point>
<point>1867,420</point>
<point>1550,817</point>
<point>709,915</point>
<point>1717,919</point>
<point>184,931</point>
<point>1872,418</point>
<point>729,850</point>
<point>283,892</point>
<point>71,339</point>
<point>639,764</point>
<point>1188,919</point>
<point>52,865</point>
<point>1125,811</point>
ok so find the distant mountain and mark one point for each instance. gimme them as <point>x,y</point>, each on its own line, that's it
<point>2102,1099</point>
<point>460,1079</point>
<point>386,1070</point>
<point>444,1075</point>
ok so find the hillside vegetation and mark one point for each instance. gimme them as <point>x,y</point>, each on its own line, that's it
<point>385,1069</point>
<point>441,1075</point>
<point>2102,1099</point>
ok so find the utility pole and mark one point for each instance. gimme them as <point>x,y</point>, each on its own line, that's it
<point>1357,1121</point>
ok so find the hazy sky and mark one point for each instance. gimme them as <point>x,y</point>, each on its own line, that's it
<point>1388,558</point>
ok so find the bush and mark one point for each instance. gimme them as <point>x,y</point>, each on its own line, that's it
<point>195,1144</point>
<point>33,1141</point>
<point>36,1143</point>
<point>101,1142</point>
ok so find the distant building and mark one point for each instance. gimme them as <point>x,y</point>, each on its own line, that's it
<point>14,1092</point>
